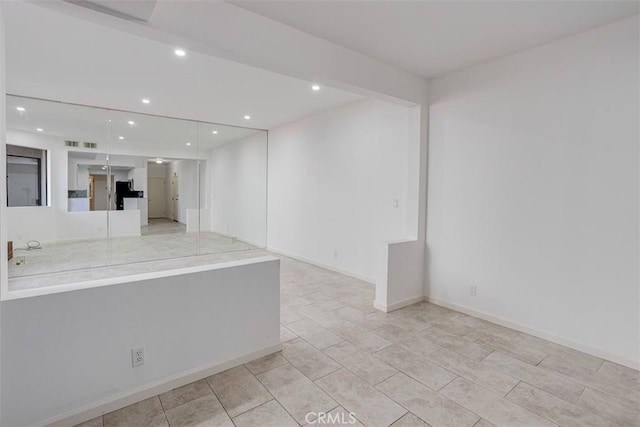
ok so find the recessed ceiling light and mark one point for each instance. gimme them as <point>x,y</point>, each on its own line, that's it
<point>188,143</point>
<point>39,129</point>
<point>21,109</point>
<point>159,161</point>
<point>215,132</point>
<point>315,87</point>
<point>131,122</point>
<point>180,52</point>
<point>145,101</point>
<point>247,117</point>
<point>121,137</point>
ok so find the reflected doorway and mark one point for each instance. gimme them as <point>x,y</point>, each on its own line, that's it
<point>100,197</point>
<point>92,192</point>
<point>175,189</point>
<point>157,203</point>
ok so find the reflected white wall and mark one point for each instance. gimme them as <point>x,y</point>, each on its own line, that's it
<point>239,196</point>
<point>187,173</point>
<point>240,173</point>
<point>56,223</point>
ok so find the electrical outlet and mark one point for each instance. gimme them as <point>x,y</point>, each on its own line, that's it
<point>473,291</point>
<point>395,203</point>
<point>137,356</point>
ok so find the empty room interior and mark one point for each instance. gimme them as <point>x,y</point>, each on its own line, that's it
<point>289,213</point>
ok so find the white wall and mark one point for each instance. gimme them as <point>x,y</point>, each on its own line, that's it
<point>55,223</point>
<point>139,176</point>
<point>194,322</point>
<point>35,223</point>
<point>323,61</point>
<point>78,171</point>
<point>333,179</point>
<point>187,172</point>
<point>533,190</point>
<point>239,189</point>
<point>287,51</point>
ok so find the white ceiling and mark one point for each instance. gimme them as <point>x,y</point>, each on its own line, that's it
<point>105,127</point>
<point>55,56</point>
<point>429,38</point>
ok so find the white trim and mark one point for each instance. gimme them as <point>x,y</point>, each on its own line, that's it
<point>398,305</point>
<point>325,266</point>
<point>120,400</point>
<point>248,242</point>
<point>536,333</point>
<point>380,306</point>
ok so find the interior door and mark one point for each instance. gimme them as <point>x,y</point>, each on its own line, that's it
<point>101,193</point>
<point>157,200</point>
<point>175,205</point>
<point>92,193</point>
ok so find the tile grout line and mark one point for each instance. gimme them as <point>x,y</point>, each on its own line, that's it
<point>255,407</point>
<point>454,378</point>
<point>218,397</point>
<point>583,383</point>
<point>408,410</point>
<point>350,411</point>
<point>529,410</point>
<point>302,339</point>
<point>164,413</point>
<point>275,398</point>
<point>512,388</point>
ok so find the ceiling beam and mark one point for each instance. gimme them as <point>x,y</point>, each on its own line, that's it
<point>227,31</point>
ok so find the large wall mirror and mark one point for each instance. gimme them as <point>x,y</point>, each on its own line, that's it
<point>90,187</point>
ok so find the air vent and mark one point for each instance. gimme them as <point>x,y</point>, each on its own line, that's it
<point>90,145</point>
<point>72,143</point>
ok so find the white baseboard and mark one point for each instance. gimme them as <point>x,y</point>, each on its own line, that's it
<point>129,397</point>
<point>536,333</point>
<point>325,266</point>
<point>248,242</point>
<point>398,305</point>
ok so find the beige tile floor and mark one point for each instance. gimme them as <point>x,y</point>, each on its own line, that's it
<point>422,365</point>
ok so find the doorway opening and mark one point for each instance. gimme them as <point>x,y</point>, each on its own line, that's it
<point>100,192</point>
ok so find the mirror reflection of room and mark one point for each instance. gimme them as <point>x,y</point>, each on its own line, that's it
<point>26,176</point>
<point>120,182</point>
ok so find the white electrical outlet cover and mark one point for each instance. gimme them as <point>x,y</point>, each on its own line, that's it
<point>137,356</point>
